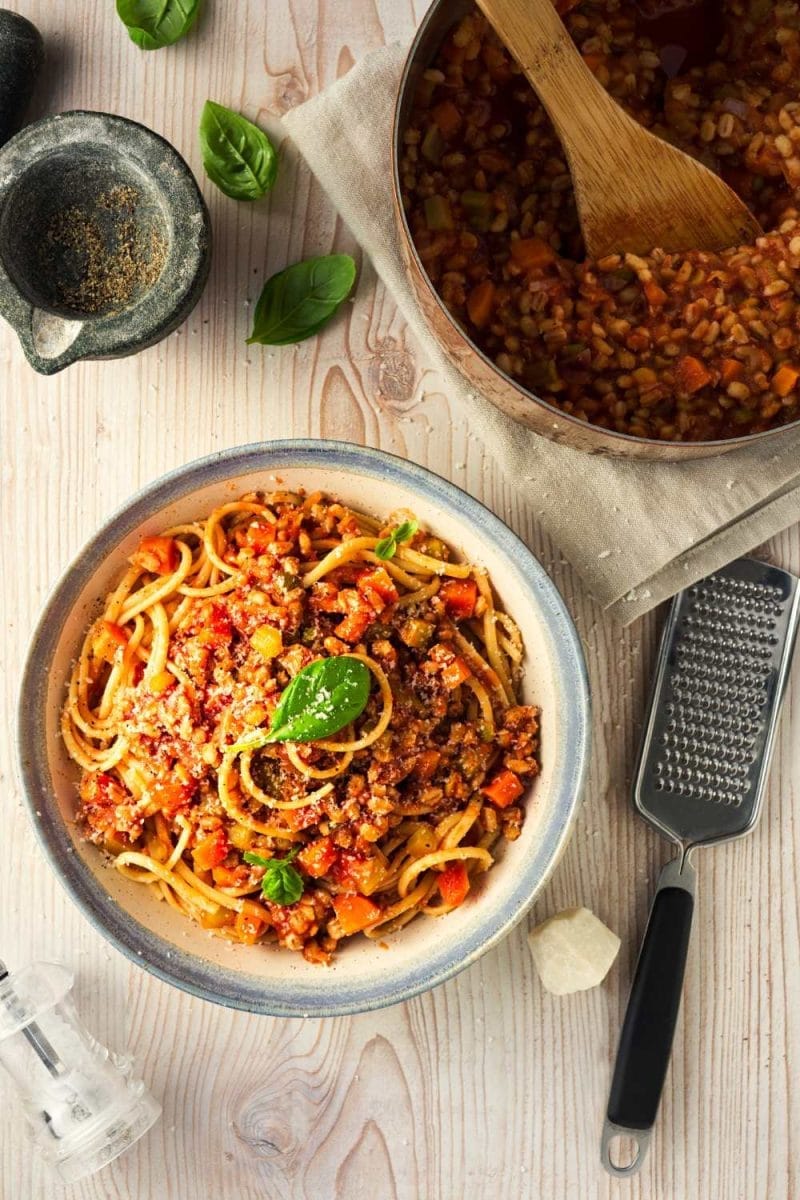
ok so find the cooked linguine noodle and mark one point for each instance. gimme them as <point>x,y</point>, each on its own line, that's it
<point>386,815</point>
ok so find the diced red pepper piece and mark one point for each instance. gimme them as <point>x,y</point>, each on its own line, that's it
<point>453,884</point>
<point>211,851</point>
<point>259,536</point>
<point>504,789</point>
<point>459,596</point>
<point>480,303</point>
<point>691,374</point>
<point>354,912</point>
<point>158,555</point>
<point>219,622</point>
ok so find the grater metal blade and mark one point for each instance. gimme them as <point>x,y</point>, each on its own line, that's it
<point>720,677</point>
<point>721,674</point>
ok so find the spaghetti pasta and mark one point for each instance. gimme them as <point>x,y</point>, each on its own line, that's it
<point>391,815</point>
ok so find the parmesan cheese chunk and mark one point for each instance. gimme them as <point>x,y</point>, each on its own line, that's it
<point>572,951</point>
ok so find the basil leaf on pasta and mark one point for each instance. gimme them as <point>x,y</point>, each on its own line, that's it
<point>238,156</point>
<point>297,302</point>
<point>281,884</point>
<point>387,546</point>
<point>152,24</point>
<point>321,699</point>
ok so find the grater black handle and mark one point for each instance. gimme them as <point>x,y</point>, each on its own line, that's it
<point>645,1043</point>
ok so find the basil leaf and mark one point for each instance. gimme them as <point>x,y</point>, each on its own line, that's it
<point>238,156</point>
<point>152,24</point>
<point>281,883</point>
<point>387,546</point>
<point>321,699</point>
<point>297,302</point>
<point>256,860</point>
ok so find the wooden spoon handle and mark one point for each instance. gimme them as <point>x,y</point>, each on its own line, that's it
<point>538,39</point>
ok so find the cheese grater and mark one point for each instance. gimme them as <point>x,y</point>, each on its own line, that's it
<point>708,737</point>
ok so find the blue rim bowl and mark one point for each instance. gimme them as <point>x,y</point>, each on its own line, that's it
<point>363,976</point>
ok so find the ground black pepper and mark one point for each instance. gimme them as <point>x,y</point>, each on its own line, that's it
<point>105,256</point>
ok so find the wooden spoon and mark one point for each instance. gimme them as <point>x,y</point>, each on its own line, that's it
<point>633,191</point>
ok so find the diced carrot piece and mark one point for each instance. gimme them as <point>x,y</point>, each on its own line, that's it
<point>325,597</point>
<point>116,632</point>
<point>158,555</point>
<point>504,789</point>
<point>455,672</point>
<point>730,370</point>
<point>376,586</point>
<point>656,296</point>
<point>426,764</point>
<point>215,920</point>
<point>354,626</point>
<point>593,61</point>
<point>267,640</point>
<point>459,596</point>
<point>691,374</point>
<point>480,303</point>
<point>211,851</point>
<point>318,857</point>
<point>785,379</point>
<point>354,912</point>
<point>170,795</point>
<point>447,117</point>
<point>453,884</point>
<point>230,877</point>
<point>248,928</point>
<point>530,254</point>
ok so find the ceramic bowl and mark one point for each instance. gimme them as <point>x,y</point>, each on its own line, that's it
<point>364,975</point>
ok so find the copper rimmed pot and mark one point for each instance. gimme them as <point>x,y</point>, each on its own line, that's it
<point>503,391</point>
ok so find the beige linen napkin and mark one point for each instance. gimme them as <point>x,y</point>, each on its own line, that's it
<point>635,532</point>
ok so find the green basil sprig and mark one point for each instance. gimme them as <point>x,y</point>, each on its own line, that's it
<point>297,302</point>
<point>238,156</point>
<point>152,24</point>
<point>321,699</point>
<point>281,884</point>
<point>387,546</point>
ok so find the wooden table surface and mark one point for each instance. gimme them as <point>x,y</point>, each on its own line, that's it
<point>486,1087</point>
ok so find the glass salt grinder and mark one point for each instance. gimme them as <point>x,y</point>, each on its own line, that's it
<point>81,1100</point>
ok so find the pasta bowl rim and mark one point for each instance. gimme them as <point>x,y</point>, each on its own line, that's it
<point>332,993</point>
